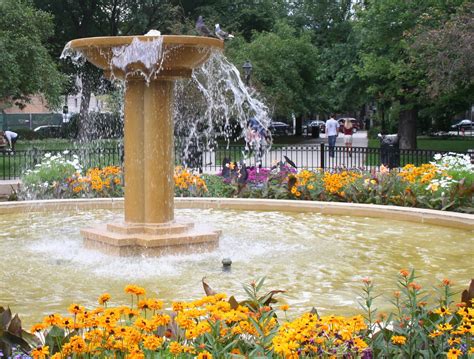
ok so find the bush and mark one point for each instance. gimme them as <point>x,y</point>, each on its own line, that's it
<point>55,177</point>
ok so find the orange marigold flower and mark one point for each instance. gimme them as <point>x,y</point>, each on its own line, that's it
<point>399,339</point>
<point>284,307</point>
<point>75,308</point>
<point>177,306</point>
<point>37,327</point>
<point>52,319</point>
<point>152,342</point>
<point>104,298</point>
<point>204,355</point>
<point>40,352</point>
<point>133,289</point>
<point>175,348</point>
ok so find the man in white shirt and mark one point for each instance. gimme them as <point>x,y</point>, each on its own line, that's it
<point>332,131</point>
<point>11,137</point>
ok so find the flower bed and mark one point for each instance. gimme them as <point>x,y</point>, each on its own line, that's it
<point>216,326</point>
<point>447,183</point>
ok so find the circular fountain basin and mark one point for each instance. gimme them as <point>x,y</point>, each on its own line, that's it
<point>175,55</point>
<point>319,259</point>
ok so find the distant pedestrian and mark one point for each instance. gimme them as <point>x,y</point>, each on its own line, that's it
<point>348,130</point>
<point>332,131</point>
<point>11,137</point>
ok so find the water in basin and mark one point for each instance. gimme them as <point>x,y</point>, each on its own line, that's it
<point>319,259</point>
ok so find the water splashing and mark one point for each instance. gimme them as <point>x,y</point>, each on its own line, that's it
<point>212,108</point>
<point>215,104</point>
<point>149,53</point>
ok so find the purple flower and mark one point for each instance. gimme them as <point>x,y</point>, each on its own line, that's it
<point>367,354</point>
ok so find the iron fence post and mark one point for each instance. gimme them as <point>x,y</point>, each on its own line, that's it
<point>321,153</point>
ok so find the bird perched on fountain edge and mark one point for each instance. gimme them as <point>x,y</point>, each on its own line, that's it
<point>221,34</point>
<point>201,27</point>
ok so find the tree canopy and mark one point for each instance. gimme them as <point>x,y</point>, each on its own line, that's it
<point>26,67</point>
<point>413,59</point>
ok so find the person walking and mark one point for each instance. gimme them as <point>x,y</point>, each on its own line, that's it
<point>348,130</point>
<point>332,131</point>
<point>11,137</point>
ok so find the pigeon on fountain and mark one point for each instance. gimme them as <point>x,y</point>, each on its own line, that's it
<point>153,33</point>
<point>201,27</point>
<point>221,34</point>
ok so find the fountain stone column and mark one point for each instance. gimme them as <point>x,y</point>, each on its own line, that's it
<point>149,226</point>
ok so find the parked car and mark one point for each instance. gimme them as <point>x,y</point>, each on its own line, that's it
<point>48,131</point>
<point>279,128</point>
<point>307,128</point>
<point>355,123</point>
<point>463,125</point>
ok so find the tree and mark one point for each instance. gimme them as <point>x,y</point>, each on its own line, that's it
<point>330,24</point>
<point>384,29</point>
<point>26,68</point>
<point>446,51</point>
<point>285,69</point>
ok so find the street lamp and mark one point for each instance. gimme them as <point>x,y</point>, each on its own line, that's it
<point>247,66</point>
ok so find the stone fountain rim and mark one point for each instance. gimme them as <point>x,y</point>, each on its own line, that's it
<point>113,41</point>
<point>418,215</point>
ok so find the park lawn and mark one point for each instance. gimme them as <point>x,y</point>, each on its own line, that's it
<point>435,144</point>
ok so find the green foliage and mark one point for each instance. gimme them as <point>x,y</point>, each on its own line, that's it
<point>13,339</point>
<point>414,329</point>
<point>49,178</point>
<point>285,68</point>
<point>26,68</point>
<point>217,186</point>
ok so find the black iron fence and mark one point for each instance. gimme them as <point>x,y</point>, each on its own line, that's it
<point>312,157</point>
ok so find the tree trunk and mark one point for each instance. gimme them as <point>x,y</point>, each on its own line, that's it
<point>407,127</point>
<point>299,126</point>
<point>84,118</point>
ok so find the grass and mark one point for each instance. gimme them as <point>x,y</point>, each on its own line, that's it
<point>435,144</point>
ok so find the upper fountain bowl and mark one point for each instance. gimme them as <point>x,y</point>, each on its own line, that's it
<point>167,56</point>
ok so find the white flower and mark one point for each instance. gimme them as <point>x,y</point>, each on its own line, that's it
<point>65,152</point>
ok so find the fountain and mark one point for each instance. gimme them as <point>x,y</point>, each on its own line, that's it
<point>150,65</point>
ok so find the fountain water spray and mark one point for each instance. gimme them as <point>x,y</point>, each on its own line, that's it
<point>150,65</point>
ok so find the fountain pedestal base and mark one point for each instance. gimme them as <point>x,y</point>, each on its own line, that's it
<point>131,239</point>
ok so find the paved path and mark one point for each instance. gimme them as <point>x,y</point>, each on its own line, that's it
<point>307,154</point>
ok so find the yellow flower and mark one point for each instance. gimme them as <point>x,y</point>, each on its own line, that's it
<point>40,352</point>
<point>75,309</point>
<point>284,307</point>
<point>442,311</point>
<point>445,327</point>
<point>399,339</point>
<point>204,355</point>
<point>133,289</point>
<point>175,348</point>
<point>152,342</point>
<point>37,327</point>
<point>104,298</point>
<point>453,353</point>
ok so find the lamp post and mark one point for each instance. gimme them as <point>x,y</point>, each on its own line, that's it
<point>247,66</point>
